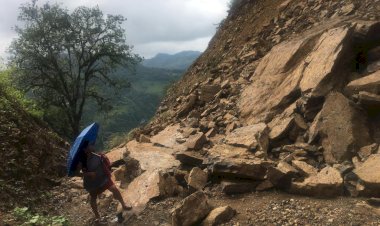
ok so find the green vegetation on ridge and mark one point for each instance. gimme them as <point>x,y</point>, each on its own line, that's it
<point>64,60</point>
<point>178,61</point>
<point>135,106</point>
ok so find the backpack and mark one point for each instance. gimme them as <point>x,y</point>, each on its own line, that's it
<point>106,164</point>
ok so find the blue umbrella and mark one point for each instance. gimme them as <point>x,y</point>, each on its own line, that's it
<point>88,134</point>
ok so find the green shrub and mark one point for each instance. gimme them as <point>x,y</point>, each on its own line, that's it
<point>7,86</point>
<point>115,140</point>
<point>23,214</point>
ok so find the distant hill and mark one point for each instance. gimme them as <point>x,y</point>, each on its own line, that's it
<point>178,61</point>
<point>135,106</point>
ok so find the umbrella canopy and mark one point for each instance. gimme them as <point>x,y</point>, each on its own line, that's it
<point>88,134</point>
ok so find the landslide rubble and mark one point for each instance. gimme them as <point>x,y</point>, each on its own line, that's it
<point>286,97</point>
<point>292,104</point>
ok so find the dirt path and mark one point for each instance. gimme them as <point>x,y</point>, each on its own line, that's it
<point>273,208</point>
<point>264,208</point>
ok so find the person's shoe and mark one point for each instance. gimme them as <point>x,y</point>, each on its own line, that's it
<point>99,221</point>
<point>120,217</point>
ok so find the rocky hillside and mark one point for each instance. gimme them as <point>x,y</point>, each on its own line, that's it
<point>286,97</point>
<point>290,84</point>
<point>32,157</point>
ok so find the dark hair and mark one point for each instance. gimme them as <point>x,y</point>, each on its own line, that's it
<point>84,145</point>
<point>82,155</point>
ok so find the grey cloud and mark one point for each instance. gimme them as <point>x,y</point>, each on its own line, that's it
<point>152,26</point>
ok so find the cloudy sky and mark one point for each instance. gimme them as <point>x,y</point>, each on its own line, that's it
<point>152,26</point>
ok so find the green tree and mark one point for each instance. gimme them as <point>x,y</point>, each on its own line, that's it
<point>66,59</point>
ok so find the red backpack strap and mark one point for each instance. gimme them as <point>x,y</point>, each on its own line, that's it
<point>106,164</point>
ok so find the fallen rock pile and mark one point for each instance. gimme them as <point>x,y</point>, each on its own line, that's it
<point>295,106</point>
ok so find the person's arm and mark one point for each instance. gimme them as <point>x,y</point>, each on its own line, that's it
<point>91,175</point>
<point>81,171</point>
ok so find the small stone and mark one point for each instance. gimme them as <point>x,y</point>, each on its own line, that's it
<point>230,187</point>
<point>211,133</point>
<point>144,139</point>
<point>191,210</point>
<point>195,142</point>
<point>197,178</point>
<point>218,216</point>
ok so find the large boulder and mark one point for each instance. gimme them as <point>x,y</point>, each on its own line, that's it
<point>310,65</point>
<point>327,183</point>
<point>281,175</point>
<point>369,83</point>
<point>282,123</point>
<point>322,64</point>
<point>149,185</point>
<point>304,168</point>
<point>153,162</point>
<point>342,128</point>
<point>168,138</point>
<point>191,210</point>
<point>369,176</point>
<point>116,154</point>
<point>272,84</point>
<point>241,168</point>
<point>254,137</point>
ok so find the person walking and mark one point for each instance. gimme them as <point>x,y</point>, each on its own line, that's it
<point>97,177</point>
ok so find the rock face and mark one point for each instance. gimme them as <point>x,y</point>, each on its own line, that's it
<point>368,173</point>
<point>342,128</point>
<point>294,106</point>
<point>219,215</point>
<point>270,75</point>
<point>153,182</point>
<point>327,183</point>
<point>291,68</point>
<point>191,210</point>
<point>321,63</point>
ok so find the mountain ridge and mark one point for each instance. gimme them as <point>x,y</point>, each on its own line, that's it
<point>181,60</point>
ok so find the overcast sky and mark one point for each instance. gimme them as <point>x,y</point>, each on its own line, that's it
<point>152,26</point>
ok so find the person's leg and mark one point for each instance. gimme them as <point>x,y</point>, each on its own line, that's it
<point>94,205</point>
<point>117,195</point>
